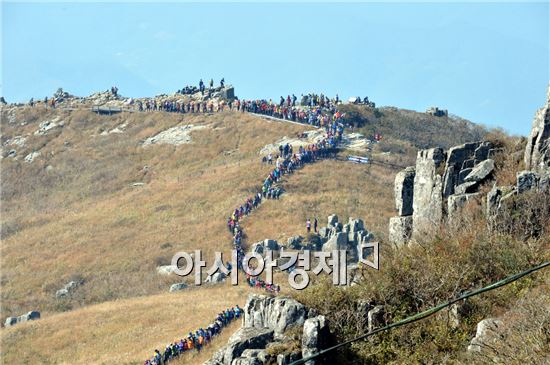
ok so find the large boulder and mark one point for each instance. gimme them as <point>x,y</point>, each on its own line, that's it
<point>166,269</point>
<point>177,287</point>
<point>481,171</point>
<point>428,189</point>
<point>275,313</point>
<point>315,337</point>
<point>456,157</point>
<point>10,321</point>
<point>67,289</point>
<point>537,151</point>
<point>245,338</point>
<point>400,230</point>
<point>61,293</point>
<point>404,190</point>
<point>467,187</point>
<point>29,316</point>
<point>487,334</point>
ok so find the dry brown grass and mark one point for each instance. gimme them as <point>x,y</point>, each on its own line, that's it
<point>122,332</point>
<point>83,219</point>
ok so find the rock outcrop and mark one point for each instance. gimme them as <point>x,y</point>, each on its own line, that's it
<point>338,236</point>
<point>277,313</point>
<point>30,316</point>
<point>314,337</point>
<point>486,334</point>
<point>67,289</point>
<point>536,159</point>
<point>265,323</point>
<point>537,152</point>
<point>403,191</point>
<point>435,189</point>
<point>177,287</point>
<point>245,338</point>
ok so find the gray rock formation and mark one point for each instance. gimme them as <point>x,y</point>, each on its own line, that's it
<point>527,180</point>
<point>245,338</point>
<point>400,230</point>
<point>537,152</point>
<point>338,241</point>
<point>481,171</point>
<point>314,337</point>
<point>166,269</point>
<point>29,316</point>
<point>403,190</point>
<point>276,313</point>
<point>67,289</point>
<point>177,287</point>
<point>486,334</point>
<point>443,182</point>
<point>458,158</point>
<point>428,190</point>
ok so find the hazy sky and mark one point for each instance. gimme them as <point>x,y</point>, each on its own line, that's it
<point>488,62</point>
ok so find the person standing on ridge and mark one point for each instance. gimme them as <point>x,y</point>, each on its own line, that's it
<point>222,82</point>
<point>315,223</point>
<point>201,86</point>
<point>211,83</point>
<point>308,225</point>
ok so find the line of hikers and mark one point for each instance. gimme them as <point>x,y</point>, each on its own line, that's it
<point>285,163</point>
<point>256,282</point>
<point>197,340</point>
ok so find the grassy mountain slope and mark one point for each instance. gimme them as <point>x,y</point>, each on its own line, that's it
<point>73,213</point>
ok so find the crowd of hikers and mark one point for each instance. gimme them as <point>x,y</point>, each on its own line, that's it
<point>285,162</point>
<point>196,340</point>
<point>256,282</point>
<point>319,111</point>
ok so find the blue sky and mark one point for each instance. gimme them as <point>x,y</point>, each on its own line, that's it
<point>488,62</point>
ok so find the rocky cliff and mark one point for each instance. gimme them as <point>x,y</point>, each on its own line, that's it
<point>265,327</point>
<point>442,182</point>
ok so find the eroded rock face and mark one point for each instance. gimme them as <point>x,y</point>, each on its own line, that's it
<point>30,316</point>
<point>458,158</point>
<point>338,241</point>
<point>486,334</point>
<point>481,171</point>
<point>400,230</point>
<point>428,192</point>
<point>527,180</point>
<point>245,338</point>
<point>314,337</point>
<point>537,151</point>
<point>177,287</point>
<point>276,313</point>
<point>404,190</point>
